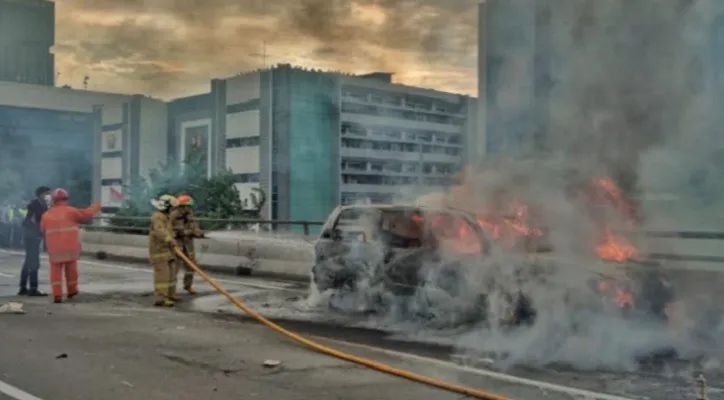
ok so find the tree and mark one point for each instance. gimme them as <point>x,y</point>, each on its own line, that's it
<point>215,197</point>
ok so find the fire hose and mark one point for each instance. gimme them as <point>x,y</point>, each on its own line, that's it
<point>475,393</point>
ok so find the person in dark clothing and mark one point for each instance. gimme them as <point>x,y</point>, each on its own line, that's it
<point>32,238</point>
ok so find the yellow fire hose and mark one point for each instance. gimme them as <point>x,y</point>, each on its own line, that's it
<point>478,394</point>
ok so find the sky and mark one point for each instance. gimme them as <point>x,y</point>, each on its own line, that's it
<point>171,48</point>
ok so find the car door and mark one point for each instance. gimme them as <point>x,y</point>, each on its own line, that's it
<point>344,251</point>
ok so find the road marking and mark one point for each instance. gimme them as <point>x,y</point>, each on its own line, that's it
<point>16,393</point>
<point>482,372</point>
<point>7,275</point>
<point>281,286</point>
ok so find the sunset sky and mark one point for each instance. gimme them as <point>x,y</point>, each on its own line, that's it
<point>168,48</point>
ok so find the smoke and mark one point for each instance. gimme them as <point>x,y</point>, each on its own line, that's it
<point>628,86</point>
<point>629,98</point>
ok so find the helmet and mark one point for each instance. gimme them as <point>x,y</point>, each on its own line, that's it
<point>59,195</point>
<point>185,200</point>
<point>164,202</point>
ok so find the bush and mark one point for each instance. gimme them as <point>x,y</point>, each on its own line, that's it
<point>215,197</point>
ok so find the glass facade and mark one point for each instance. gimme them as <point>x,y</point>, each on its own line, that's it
<point>45,147</point>
<point>313,142</point>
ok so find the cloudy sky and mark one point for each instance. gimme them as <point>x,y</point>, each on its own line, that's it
<point>167,48</point>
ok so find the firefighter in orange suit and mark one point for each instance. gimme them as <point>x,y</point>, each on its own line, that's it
<point>60,224</point>
<point>186,229</point>
<point>161,253</point>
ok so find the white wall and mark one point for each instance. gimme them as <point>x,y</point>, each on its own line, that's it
<point>242,124</point>
<point>245,189</point>
<point>243,88</point>
<point>243,160</point>
<point>153,135</point>
<point>111,167</point>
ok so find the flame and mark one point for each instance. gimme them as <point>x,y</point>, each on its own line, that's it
<point>621,296</point>
<point>616,248</point>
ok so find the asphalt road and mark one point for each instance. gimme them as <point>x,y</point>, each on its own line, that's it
<point>111,343</point>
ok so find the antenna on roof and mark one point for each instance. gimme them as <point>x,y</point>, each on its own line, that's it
<point>85,82</point>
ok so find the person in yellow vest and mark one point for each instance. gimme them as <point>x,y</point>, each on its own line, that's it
<point>161,244</point>
<point>186,229</point>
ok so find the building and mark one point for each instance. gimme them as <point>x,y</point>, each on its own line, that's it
<point>312,139</point>
<point>27,34</point>
<point>88,140</point>
<point>309,140</point>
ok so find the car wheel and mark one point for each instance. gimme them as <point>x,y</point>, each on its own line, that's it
<point>335,273</point>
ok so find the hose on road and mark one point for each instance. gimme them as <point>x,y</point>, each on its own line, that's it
<point>474,393</point>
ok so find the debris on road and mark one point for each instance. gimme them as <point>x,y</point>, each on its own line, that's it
<point>272,363</point>
<point>12,308</point>
<point>62,355</point>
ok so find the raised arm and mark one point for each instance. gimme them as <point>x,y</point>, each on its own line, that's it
<point>85,215</point>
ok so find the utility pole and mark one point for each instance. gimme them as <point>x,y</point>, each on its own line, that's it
<point>263,53</point>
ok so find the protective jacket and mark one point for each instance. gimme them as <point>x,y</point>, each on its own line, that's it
<point>60,225</point>
<point>185,228</point>
<point>160,238</point>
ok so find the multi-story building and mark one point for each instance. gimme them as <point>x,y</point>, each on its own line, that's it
<point>91,141</point>
<point>397,139</point>
<point>314,139</point>
<point>309,140</point>
<point>27,34</point>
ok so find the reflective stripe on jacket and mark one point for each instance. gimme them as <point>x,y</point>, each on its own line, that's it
<point>62,232</point>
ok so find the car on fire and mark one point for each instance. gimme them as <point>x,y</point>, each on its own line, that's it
<point>396,246</point>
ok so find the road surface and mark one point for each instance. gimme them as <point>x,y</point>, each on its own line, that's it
<point>111,343</point>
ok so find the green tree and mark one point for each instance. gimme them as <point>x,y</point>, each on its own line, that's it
<point>215,197</point>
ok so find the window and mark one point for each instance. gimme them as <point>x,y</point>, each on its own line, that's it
<point>243,142</point>
<point>247,178</point>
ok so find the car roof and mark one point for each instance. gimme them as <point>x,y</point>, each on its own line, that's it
<point>393,207</point>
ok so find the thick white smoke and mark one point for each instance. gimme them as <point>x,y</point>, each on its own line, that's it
<point>629,100</point>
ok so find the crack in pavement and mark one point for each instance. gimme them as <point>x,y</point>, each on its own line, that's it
<point>197,363</point>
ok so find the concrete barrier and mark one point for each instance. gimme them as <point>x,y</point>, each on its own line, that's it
<point>243,254</point>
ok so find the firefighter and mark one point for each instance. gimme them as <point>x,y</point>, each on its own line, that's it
<point>161,246</point>
<point>60,224</point>
<point>186,228</point>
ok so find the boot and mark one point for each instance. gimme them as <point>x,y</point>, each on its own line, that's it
<point>71,295</point>
<point>166,303</point>
<point>190,290</point>
<point>58,300</point>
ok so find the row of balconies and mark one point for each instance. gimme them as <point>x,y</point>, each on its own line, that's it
<point>401,102</point>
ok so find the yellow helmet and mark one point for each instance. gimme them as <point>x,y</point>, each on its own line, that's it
<point>164,202</point>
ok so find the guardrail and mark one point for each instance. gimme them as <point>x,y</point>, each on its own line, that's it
<point>274,224</point>
<point>244,251</point>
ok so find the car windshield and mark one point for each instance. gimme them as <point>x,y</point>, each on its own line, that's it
<point>395,228</point>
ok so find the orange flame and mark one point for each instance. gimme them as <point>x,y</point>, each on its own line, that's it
<point>616,248</point>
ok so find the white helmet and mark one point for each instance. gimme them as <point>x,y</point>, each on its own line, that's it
<point>164,202</point>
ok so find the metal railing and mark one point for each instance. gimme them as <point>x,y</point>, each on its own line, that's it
<point>11,235</point>
<point>230,223</point>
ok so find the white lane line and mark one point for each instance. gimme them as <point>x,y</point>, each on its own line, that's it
<point>16,393</point>
<point>281,286</point>
<point>586,394</point>
<point>7,275</point>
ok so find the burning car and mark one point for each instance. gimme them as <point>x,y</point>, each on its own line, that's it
<point>394,247</point>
